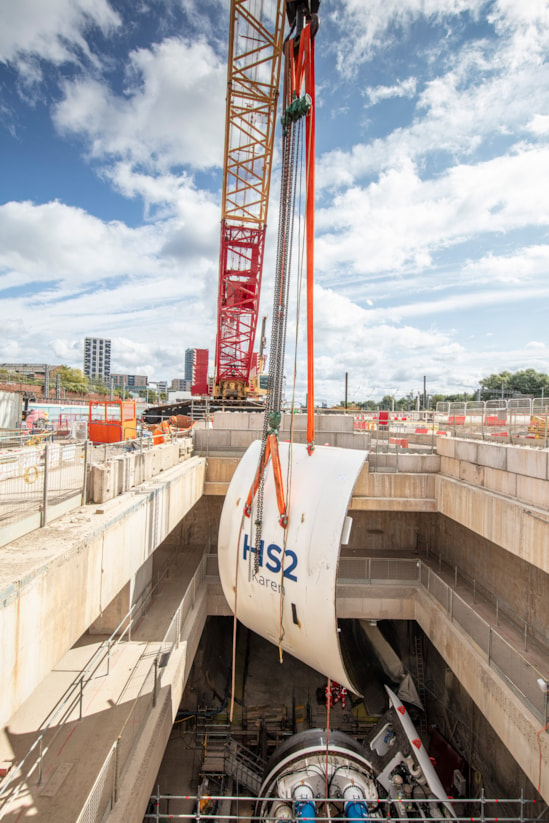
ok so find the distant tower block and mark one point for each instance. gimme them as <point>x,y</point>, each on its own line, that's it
<point>97,358</point>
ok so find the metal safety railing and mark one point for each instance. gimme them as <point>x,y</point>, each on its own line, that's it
<point>519,672</point>
<point>201,807</point>
<point>505,653</point>
<point>518,420</point>
<point>104,793</point>
<point>70,706</point>
<point>521,420</point>
<point>37,478</point>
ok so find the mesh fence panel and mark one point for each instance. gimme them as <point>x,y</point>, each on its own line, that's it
<point>379,568</point>
<point>136,720</point>
<point>519,672</point>
<point>21,482</point>
<point>394,569</point>
<point>353,568</point>
<point>471,623</point>
<point>65,471</point>
<point>23,473</point>
<point>439,589</point>
<point>101,796</point>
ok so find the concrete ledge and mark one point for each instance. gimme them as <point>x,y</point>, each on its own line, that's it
<point>506,713</point>
<point>507,522</point>
<point>387,602</point>
<point>126,471</point>
<point>376,492</point>
<point>528,489</point>
<point>137,783</point>
<point>392,504</point>
<point>209,441</point>
<point>55,582</point>
<point>401,485</point>
<point>529,462</point>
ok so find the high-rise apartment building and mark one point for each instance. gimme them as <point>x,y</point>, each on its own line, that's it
<point>189,365</point>
<point>196,370</point>
<point>131,381</point>
<point>97,358</point>
<point>180,384</point>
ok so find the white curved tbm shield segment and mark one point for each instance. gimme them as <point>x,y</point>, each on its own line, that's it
<point>419,751</point>
<point>288,595</point>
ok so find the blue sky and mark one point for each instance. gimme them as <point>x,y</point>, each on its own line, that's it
<point>432,214</point>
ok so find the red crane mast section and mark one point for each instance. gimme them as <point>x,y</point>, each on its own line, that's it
<point>253,77</point>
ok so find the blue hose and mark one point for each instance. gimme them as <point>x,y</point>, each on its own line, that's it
<point>356,810</point>
<point>305,810</point>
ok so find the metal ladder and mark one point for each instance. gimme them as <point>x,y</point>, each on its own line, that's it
<point>420,678</point>
<point>243,766</point>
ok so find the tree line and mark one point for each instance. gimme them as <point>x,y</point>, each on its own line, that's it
<point>504,385</point>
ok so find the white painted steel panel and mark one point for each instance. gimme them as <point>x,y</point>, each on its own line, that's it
<point>10,410</point>
<point>418,751</point>
<point>290,598</point>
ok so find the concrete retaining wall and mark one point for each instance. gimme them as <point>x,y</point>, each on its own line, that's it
<point>507,714</point>
<point>238,439</point>
<point>121,473</point>
<point>137,782</point>
<point>253,421</point>
<point>58,581</point>
<point>522,461</point>
<point>500,492</point>
<point>515,726</point>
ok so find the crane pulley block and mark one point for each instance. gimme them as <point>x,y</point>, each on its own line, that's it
<point>298,108</point>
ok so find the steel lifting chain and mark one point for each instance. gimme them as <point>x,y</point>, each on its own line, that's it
<point>291,144</point>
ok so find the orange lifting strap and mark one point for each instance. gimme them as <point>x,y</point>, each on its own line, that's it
<point>271,451</point>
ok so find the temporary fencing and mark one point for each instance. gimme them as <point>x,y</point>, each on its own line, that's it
<point>36,479</point>
<point>521,420</point>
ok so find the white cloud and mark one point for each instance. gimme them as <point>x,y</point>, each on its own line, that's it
<point>433,234</point>
<point>58,242</point>
<point>400,221</point>
<point>378,23</point>
<point>171,112</point>
<point>539,125</point>
<point>451,121</point>
<point>52,31</point>
<point>528,265</point>
<point>404,88</point>
<point>76,273</point>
